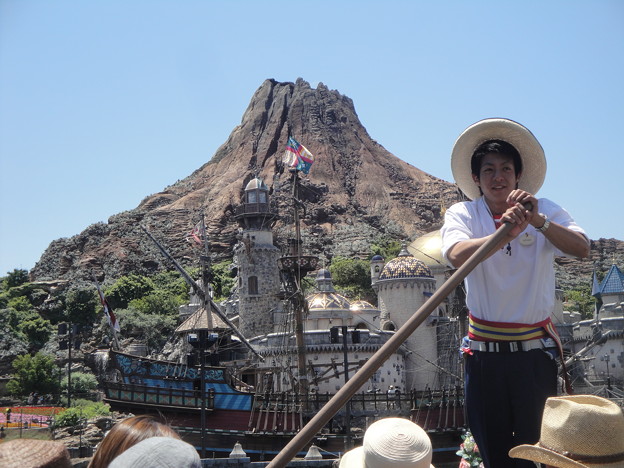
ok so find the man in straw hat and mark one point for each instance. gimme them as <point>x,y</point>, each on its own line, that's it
<point>512,343</point>
<point>391,443</point>
<point>581,431</point>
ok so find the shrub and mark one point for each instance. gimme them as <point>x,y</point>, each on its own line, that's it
<point>36,373</point>
<point>81,411</point>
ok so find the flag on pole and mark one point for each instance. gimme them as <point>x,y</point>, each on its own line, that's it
<point>196,236</point>
<point>596,292</point>
<point>297,156</point>
<point>110,315</point>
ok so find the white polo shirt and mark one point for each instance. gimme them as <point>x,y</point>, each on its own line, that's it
<point>512,286</point>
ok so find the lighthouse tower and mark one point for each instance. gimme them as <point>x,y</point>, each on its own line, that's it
<point>256,257</point>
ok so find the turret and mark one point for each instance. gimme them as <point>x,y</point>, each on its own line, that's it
<point>376,265</point>
<point>256,257</point>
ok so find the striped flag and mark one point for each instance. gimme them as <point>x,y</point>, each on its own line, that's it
<point>197,235</point>
<point>297,156</point>
<point>110,315</point>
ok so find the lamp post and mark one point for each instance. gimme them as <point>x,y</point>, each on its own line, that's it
<point>606,360</point>
<point>71,330</point>
<point>346,379</point>
<point>355,338</point>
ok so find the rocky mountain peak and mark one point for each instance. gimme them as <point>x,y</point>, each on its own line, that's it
<point>357,192</point>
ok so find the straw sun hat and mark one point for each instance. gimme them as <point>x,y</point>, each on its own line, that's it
<point>33,453</point>
<point>391,443</point>
<point>578,431</point>
<point>531,152</point>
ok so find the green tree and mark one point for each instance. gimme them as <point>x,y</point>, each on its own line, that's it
<point>173,283</point>
<point>581,300</point>
<point>127,288</point>
<point>15,278</point>
<point>81,306</point>
<point>37,330</point>
<point>36,373</point>
<point>21,304</point>
<point>82,384</point>
<point>351,276</point>
<point>387,248</point>
<point>159,302</point>
<point>80,411</point>
<point>223,280</point>
<point>14,317</point>
<point>153,329</point>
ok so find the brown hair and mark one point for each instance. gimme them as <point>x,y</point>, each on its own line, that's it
<point>127,433</point>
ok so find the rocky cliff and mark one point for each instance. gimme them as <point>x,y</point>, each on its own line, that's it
<point>357,193</point>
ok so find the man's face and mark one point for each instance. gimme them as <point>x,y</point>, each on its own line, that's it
<point>497,177</point>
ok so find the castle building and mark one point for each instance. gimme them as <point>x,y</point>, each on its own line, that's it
<point>329,310</point>
<point>597,344</point>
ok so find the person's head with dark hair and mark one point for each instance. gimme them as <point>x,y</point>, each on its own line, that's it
<point>127,433</point>
<point>495,147</point>
<point>495,158</point>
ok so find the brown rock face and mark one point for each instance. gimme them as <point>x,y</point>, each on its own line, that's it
<point>357,193</point>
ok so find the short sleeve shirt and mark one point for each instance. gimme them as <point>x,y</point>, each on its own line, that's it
<point>517,283</point>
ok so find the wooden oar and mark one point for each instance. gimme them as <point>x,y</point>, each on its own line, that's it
<point>343,395</point>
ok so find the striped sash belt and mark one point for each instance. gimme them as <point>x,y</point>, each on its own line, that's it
<point>502,332</point>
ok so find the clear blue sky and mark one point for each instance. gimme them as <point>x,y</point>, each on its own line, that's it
<point>105,102</point>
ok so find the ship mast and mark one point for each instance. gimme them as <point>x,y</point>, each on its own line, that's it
<point>299,297</point>
<point>205,266</point>
<point>293,268</point>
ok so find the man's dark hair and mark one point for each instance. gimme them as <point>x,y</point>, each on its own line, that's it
<point>498,147</point>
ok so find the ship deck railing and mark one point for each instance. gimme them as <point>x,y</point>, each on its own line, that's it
<point>143,394</point>
<point>365,401</point>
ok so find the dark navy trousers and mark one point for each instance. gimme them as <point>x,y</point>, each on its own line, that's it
<point>505,396</point>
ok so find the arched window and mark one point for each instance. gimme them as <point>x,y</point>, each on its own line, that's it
<point>252,285</point>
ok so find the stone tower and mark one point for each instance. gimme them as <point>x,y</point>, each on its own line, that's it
<point>402,286</point>
<point>256,257</point>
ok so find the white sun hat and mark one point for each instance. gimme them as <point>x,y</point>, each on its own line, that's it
<point>391,443</point>
<point>531,152</point>
<point>578,431</point>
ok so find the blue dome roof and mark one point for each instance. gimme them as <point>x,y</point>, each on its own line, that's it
<point>377,258</point>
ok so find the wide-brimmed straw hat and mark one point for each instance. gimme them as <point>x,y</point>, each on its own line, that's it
<point>391,443</point>
<point>578,431</point>
<point>34,453</point>
<point>531,152</point>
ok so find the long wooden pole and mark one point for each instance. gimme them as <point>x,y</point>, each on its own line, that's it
<point>204,296</point>
<point>375,362</point>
